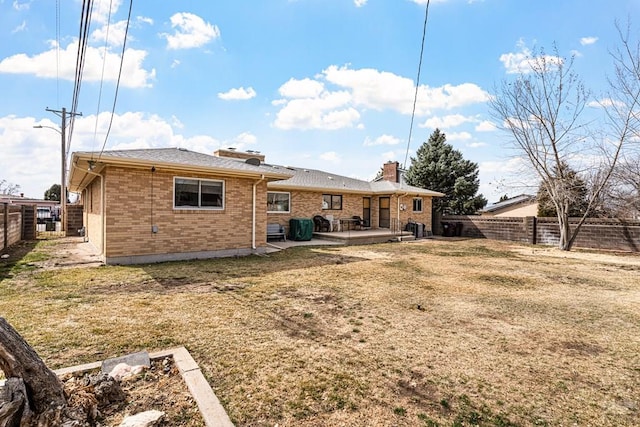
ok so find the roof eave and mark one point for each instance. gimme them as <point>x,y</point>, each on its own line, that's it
<point>81,162</point>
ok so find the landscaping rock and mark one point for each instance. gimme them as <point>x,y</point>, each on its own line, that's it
<point>133,359</point>
<point>143,419</point>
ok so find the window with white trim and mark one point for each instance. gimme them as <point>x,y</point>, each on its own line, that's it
<point>417,204</point>
<point>278,202</point>
<point>191,193</point>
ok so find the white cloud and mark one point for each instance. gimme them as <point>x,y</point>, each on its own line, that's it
<point>311,105</point>
<point>190,31</point>
<point>486,126</point>
<point>133,74</point>
<point>101,10</point>
<point>20,28</point>
<point>476,144</point>
<point>458,136</point>
<point>522,62</point>
<point>175,63</point>
<point>360,3</point>
<point>244,139</point>
<point>21,6</point>
<point>305,88</point>
<point>237,94</point>
<point>327,111</point>
<point>381,140</point>
<point>512,165</point>
<point>115,32</point>
<point>23,145</point>
<point>176,123</point>
<point>382,90</point>
<point>331,156</point>
<point>447,122</point>
<point>605,102</point>
<point>585,41</point>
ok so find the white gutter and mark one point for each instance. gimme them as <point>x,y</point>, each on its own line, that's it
<point>102,211</point>
<point>253,213</point>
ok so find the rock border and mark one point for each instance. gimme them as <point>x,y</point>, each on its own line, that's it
<point>210,408</point>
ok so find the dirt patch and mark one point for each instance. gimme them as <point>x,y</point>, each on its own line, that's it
<point>159,388</point>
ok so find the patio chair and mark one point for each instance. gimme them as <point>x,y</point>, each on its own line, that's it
<point>358,222</point>
<point>321,223</point>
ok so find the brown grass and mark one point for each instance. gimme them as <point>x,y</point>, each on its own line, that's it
<point>471,332</point>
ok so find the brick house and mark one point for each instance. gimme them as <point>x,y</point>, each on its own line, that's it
<point>386,203</point>
<point>155,205</point>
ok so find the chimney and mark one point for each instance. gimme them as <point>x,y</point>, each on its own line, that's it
<point>390,172</point>
<point>231,153</point>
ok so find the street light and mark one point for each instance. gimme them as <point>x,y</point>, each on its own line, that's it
<point>63,174</point>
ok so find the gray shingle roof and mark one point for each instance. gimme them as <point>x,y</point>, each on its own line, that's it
<point>313,179</point>
<point>522,198</point>
<point>285,177</point>
<point>182,156</point>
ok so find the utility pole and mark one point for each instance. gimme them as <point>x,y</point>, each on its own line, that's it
<point>63,185</point>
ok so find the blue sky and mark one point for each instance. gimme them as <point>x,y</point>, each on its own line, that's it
<point>323,84</point>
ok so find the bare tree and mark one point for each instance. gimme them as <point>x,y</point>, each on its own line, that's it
<point>8,188</point>
<point>542,110</point>
<point>622,107</point>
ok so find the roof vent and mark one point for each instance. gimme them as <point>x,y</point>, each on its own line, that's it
<point>253,161</point>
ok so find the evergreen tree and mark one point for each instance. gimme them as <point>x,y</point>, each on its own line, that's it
<point>440,168</point>
<point>53,193</point>
<point>574,192</point>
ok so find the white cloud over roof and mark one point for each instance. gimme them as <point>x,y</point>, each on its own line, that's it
<point>310,104</point>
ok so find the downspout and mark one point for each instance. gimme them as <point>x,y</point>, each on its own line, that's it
<point>253,218</point>
<point>102,211</point>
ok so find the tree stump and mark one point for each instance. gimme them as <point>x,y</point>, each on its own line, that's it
<point>33,394</point>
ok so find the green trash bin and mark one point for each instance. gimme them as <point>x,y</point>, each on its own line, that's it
<point>300,229</point>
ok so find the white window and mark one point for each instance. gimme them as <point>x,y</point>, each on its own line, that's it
<point>198,194</point>
<point>417,204</point>
<point>278,202</point>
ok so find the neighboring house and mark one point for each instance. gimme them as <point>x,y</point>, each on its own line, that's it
<point>169,204</point>
<point>519,206</point>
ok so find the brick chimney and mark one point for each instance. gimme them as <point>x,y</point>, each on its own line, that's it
<point>390,172</point>
<point>242,155</point>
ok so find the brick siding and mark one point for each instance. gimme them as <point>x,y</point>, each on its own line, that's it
<point>307,204</point>
<point>74,219</point>
<point>137,199</point>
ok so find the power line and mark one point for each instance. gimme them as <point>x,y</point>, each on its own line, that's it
<point>58,52</point>
<point>115,98</point>
<point>104,62</point>
<point>85,24</point>
<point>415,98</point>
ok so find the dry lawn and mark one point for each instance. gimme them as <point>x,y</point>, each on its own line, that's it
<point>467,332</point>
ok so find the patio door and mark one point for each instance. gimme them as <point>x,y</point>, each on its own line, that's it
<point>366,211</point>
<point>385,212</point>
